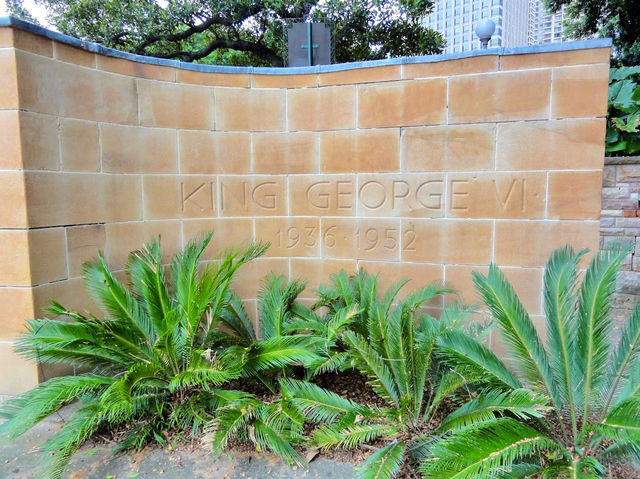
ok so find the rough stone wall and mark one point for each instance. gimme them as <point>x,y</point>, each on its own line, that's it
<point>425,170</point>
<point>620,220</point>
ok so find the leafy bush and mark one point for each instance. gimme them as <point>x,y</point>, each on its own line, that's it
<point>623,125</point>
<point>152,356</point>
<point>592,388</point>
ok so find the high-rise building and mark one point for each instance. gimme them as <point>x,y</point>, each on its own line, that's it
<point>518,22</point>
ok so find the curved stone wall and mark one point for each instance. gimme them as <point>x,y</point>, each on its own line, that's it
<point>426,168</point>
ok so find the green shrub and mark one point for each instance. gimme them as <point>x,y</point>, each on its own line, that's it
<point>153,357</point>
<point>591,386</point>
<point>623,124</point>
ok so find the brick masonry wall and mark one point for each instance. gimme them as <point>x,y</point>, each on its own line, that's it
<point>620,219</point>
<point>424,170</point>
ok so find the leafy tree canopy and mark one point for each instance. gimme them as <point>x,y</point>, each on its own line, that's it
<point>244,32</point>
<point>618,19</point>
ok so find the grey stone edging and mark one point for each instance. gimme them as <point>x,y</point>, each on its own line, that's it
<point>102,50</point>
<point>621,160</point>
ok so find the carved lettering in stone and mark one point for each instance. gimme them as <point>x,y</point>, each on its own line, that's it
<point>202,196</point>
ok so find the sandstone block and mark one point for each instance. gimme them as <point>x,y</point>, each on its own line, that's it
<point>564,144</point>
<point>123,238</point>
<point>83,244</point>
<point>10,145</point>
<point>9,81</point>
<point>448,148</point>
<point>76,56</point>
<point>204,152</point>
<point>290,237</point>
<point>360,75</point>
<point>318,271</point>
<point>504,96</point>
<point>17,306</point>
<point>228,233</point>
<point>497,195</point>
<point>170,105</point>
<point>284,153</point>
<point>529,243</point>
<point>13,202</point>
<point>463,66</point>
<point>172,197</point>
<point>39,137</point>
<point>212,79</point>
<point>362,151</point>
<point>283,81</point>
<point>18,375</point>
<point>554,59</point>
<point>402,195</point>
<point>130,149</point>
<point>323,195</point>
<point>447,241</point>
<point>79,145</point>
<point>252,196</point>
<point>240,109</point>
<point>573,195</point>
<point>417,102</point>
<point>327,108</point>
<point>573,85</point>
<point>135,69</point>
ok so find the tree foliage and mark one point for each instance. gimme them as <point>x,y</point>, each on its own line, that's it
<point>618,19</point>
<point>246,32</point>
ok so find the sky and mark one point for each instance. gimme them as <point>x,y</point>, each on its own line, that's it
<point>37,11</point>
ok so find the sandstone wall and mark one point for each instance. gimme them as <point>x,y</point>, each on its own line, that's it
<point>411,167</point>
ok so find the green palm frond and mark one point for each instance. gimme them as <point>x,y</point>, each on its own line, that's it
<point>484,450</point>
<point>274,304</point>
<point>350,436</point>
<point>235,317</point>
<point>475,361</point>
<point>146,274</point>
<point>276,353</point>
<point>449,383</point>
<point>266,436</point>
<point>204,374</point>
<point>560,280</point>
<point>24,411</point>
<point>117,302</point>
<point>594,324</point>
<point>623,422</point>
<point>624,357</point>
<point>61,446</point>
<point>384,463</point>
<point>516,328</point>
<point>327,364</point>
<point>519,403</point>
<point>229,420</point>
<point>370,363</point>
<point>317,404</point>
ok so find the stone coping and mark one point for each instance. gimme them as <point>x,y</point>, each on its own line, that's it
<point>622,160</point>
<point>97,48</point>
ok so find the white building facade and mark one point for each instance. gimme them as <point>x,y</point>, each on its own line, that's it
<point>518,22</point>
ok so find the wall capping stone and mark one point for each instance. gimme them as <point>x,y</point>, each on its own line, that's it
<point>622,160</point>
<point>102,50</point>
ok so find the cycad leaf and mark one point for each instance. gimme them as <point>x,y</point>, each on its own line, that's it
<point>448,384</point>
<point>274,304</point>
<point>384,463</point>
<point>626,355</point>
<point>25,410</point>
<point>560,307</point>
<point>236,318</point>
<point>594,324</point>
<point>371,364</point>
<point>317,404</point>
<point>623,422</point>
<point>267,436</point>
<point>520,403</point>
<point>349,436</point>
<point>484,450</point>
<point>516,327</point>
<point>475,361</point>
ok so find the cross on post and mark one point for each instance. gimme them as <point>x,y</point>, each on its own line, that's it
<point>309,43</point>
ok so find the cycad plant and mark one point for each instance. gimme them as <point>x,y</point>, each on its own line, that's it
<point>398,348</point>
<point>152,357</point>
<point>591,385</point>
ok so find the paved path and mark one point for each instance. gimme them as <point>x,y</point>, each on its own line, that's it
<point>19,459</point>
